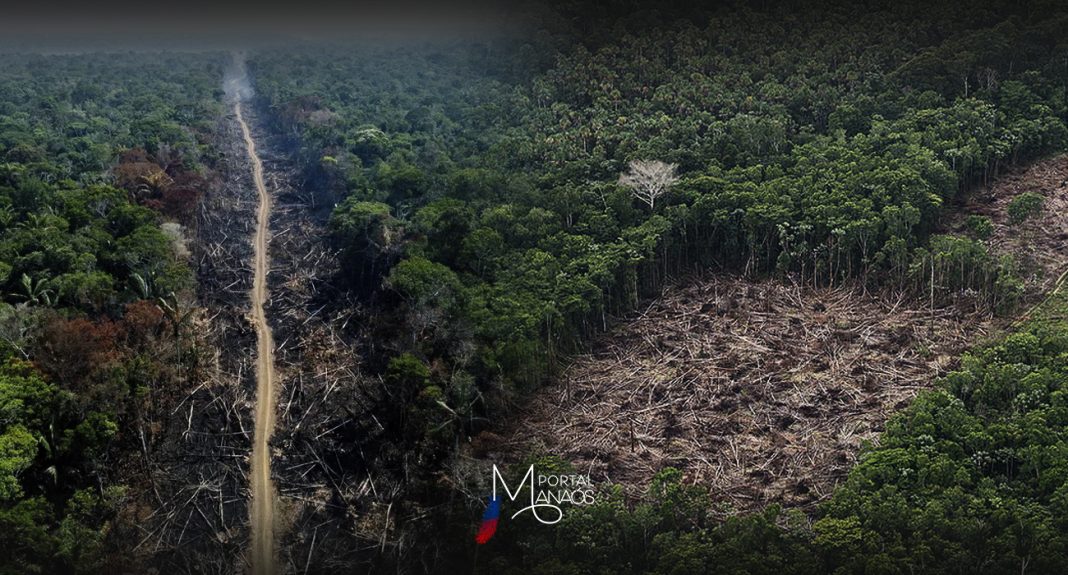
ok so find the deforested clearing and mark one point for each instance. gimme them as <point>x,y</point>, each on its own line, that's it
<point>765,391</point>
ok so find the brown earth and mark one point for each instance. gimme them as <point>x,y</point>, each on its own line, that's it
<point>263,491</point>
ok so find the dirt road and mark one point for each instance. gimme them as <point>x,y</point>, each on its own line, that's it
<point>263,493</point>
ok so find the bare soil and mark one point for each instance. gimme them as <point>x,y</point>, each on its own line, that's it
<point>263,491</point>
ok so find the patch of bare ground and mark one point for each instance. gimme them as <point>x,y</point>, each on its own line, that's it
<point>764,391</point>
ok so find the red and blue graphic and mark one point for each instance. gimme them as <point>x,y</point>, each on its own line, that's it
<point>489,521</point>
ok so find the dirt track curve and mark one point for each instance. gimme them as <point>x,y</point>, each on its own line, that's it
<point>263,493</point>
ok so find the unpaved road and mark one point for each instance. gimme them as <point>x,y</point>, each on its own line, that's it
<point>263,493</point>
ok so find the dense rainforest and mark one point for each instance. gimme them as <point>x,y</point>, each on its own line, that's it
<point>480,206</point>
<point>102,159</point>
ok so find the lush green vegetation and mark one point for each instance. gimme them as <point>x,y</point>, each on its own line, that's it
<point>100,165</point>
<point>477,184</point>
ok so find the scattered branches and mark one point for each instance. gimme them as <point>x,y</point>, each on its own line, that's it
<point>761,391</point>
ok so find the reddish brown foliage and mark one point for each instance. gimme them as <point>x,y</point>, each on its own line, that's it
<point>141,179</point>
<point>143,321</point>
<point>172,191</point>
<point>71,350</point>
<point>133,155</point>
<point>183,179</point>
<point>180,203</point>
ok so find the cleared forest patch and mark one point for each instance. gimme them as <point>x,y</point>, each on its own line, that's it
<point>765,391</point>
<point>1040,244</point>
<point>762,391</point>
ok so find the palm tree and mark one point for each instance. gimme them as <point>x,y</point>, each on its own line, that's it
<point>37,292</point>
<point>178,314</point>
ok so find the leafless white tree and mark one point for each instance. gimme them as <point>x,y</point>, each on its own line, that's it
<point>649,179</point>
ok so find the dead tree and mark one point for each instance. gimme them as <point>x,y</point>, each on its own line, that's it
<point>649,179</point>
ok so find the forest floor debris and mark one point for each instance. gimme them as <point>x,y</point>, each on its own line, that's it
<point>762,391</point>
